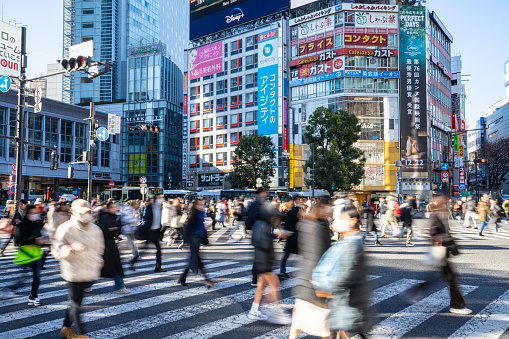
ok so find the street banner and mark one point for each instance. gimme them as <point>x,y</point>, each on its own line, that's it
<point>268,75</point>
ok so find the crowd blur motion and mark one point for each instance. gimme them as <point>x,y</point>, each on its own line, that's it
<point>326,236</point>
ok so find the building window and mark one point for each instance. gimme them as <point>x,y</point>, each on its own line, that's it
<point>194,143</point>
<point>208,141</point>
<point>236,84</point>
<point>236,65</point>
<point>208,107</point>
<point>236,47</point>
<point>194,109</point>
<point>251,99</point>
<point>251,42</point>
<point>233,157</point>
<point>220,142</point>
<point>234,137</point>
<point>234,120</point>
<point>207,160</point>
<point>251,118</point>
<point>207,124</point>
<point>87,11</point>
<point>222,86</point>
<point>251,80</point>
<point>221,105</point>
<point>81,138</point>
<point>208,90</point>
<point>251,61</point>
<point>221,158</point>
<point>236,102</point>
<point>193,160</point>
<point>194,126</point>
<point>222,122</point>
<point>66,141</point>
<point>87,25</point>
<point>195,92</point>
<point>105,154</point>
<point>86,80</point>
<point>34,136</point>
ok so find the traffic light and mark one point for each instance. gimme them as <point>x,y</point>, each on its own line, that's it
<point>83,62</point>
<point>483,161</point>
<point>76,64</point>
<point>148,128</point>
<point>53,159</point>
<point>70,172</point>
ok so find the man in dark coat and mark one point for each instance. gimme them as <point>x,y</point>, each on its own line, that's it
<point>151,223</point>
<point>290,224</point>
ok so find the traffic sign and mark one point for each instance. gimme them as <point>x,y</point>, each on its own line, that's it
<point>143,185</point>
<point>11,183</point>
<point>457,195</point>
<point>13,178</point>
<point>462,186</point>
<point>14,167</point>
<point>5,84</point>
<point>143,180</point>
<point>444,166</point>
<point>10,192</point>
<point>445,176</point>
<point>112,183</point>
<point>13,188</point>
<point>102,134</point>
<point>143,190</point>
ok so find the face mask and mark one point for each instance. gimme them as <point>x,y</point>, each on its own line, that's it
<point>34,217</point>
<point>84,218</point>
<point>342,226</point>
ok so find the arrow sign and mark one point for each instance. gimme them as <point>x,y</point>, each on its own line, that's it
<point>5,84</point>
<point>445,166</point>
<point>102,134</point>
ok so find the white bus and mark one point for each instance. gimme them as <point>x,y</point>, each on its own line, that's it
<point>125,194</point>
<point>32,194</point>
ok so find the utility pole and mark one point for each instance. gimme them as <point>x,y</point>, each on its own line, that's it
<point>90,154</point>
<point>313,178</point>
<point>20,119</point>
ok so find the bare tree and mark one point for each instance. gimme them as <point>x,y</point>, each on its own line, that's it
<point>496,154</point>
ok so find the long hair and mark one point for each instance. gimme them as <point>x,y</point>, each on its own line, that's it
<point>193,211</point>
<point>352,212</point>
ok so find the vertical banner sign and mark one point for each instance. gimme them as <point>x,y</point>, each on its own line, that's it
<point>292,167</point>
<point>413,115</point>
<point>10,50</point>
<point>268,82</point>
<point>184,139</point>
<point>462,155</point>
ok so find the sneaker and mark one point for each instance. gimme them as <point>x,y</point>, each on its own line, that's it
<point>482,235</point>
<point>123,290</point>
<point>34,302</point>
<point>67,332</point>
<point>378,243</point>
<point>257,315</point>
<point>410,244</point>
<point>284,275</point>
<point>88,289</point>
<point>279,316</point>
<point>463,310</point>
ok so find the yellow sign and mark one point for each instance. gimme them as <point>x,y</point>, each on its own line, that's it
<point>461,151</point>
<point>137,163</point>
<point>291,167</point>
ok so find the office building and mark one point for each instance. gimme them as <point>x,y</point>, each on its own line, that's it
<point>54,83</point>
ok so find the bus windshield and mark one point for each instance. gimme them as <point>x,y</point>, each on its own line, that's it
<point>36,191</point>
<point>69,190</point>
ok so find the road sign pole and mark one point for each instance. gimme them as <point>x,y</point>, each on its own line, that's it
<point>20,119</point>
<point>91,124</point>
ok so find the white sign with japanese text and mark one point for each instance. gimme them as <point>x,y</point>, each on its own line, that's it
<point>10,49</point>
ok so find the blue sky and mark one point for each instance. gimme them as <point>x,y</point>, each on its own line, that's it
<point>479,29</point>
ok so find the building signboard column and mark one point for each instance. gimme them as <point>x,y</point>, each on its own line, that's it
<point>268,98</point>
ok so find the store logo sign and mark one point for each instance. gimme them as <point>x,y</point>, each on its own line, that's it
<point>235,15</point>
<point>267,50</point>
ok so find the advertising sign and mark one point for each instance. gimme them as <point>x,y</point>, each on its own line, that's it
<point>413,115</point>
<point>298,3</point>
<point>370,8</point>
<point>268,82</point>
<point>210,179</point>
<point>462,177</point>
<point>184,139</point>
<point>366,39</point>
<point>209,16</point>
<point>206,60</point>
<point>327,62</point>
<point>10,49</point>
<point>316,26</point>
<point>83,49</point>
<point>376,20</point>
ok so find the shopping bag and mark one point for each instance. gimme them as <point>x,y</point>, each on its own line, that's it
<point>28,253</point>
<point>436,256</point>
<point>310,318</point>
<point>7,226</point>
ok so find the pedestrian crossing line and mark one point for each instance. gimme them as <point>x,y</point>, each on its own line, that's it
<point>400,323</point>
<point>215,237</point>
<point>60,282</point>
<point>236,236</point>
<point>380,294</point>
<point>490,323</point>
<point>165,318</point>
<point>51,294</point>
<point>94,298</point>
<point>53,325</point>
<point>231,323</point>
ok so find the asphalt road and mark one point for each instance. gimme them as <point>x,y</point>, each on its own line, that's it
<point>160,308</point>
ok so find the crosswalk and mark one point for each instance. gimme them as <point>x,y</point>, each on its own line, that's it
<point>158,307</point>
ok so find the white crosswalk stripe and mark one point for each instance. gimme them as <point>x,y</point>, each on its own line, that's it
<point>158,307</point>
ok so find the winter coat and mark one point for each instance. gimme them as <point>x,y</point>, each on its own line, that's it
<point>470,206</point>
<point>111,255</point>
<point>349,308</point>
<point>263,242</point>
<point>496,210</point>
<point>505,206</point>
<point>370,213</point>
<point>195,227</point>
<point>27,231</point>
<point>440,227</point>
<point>80,266</point>
<point>314,241</point>
<point>391,206</point>
<point>220,212</point>
<point>483,209</point>
<point>290,224</point>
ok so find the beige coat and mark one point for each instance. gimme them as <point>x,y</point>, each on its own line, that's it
<point>80,266</point>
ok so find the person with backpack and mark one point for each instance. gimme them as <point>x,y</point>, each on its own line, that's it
<point>264,258</point>
<point>239,214</point>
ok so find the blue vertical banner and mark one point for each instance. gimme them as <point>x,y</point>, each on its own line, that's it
<point>268,75</point>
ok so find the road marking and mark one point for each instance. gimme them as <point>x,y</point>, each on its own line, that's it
<point>52,325</point>
<point>490,323</point>
<point>404,321</point>
<point>165,318</point>
<point>215,237</point>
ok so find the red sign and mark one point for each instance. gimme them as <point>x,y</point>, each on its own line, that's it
<point>445,175</point>
<point>316,46</point>
<point>268,35</point>
<point>366,39</point>
<point>184,111</point>
<point>143,180</point>
<point>377,53</point>
<point>285,147</point>
<point>462,176</point>
<point>112,183</point>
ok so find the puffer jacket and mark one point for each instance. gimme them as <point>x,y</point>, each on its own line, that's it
<point>483,209</point>
<point>83,266</point>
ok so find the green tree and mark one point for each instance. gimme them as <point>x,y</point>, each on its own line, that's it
<point>255,159</point>
<point>338,164</point>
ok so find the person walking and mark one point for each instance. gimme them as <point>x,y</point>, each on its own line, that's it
<point>195,235</point>
<point>8,216</point>
<point>495,212</point>
<point>441,236</point>
<point>264,257</point>
<point>130,220</point>
<point>389,217</point>
<point>151,222</point>
<point>221,212</point>
<point>349,309</point>
<point>239,213</point>
<point>254,214</point>
<point>314,240</point>
<point>470,213</point>
<point>79,246</point>
<point>290,221</point>
<point>505,206</point>
<point>176,225</point>
<point>370,210</point>
<point>407,210</point>
<point>483,209</point>
<point>111,227</point>
<point>211,212</point>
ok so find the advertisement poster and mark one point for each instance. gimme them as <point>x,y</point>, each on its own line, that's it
<point>268,82</point>
<point>206,60</point>
<point>413,115</point>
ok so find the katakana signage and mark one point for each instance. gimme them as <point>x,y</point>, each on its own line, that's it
<point>413,115</point>
<point>10,50</point>
<point>210,179</point>
<point>268,75</point>
<point>366,39</point>
<point>206,60</point>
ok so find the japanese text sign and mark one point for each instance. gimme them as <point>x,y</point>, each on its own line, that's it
<point>206,60</point>
<point>268,75</point>
<point>210,179</point>
<point>10,49</point>
<point>366,39</point>
<point>376,19</point>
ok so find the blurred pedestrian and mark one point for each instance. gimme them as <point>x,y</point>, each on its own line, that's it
<point>470,213</point>
<point>495,211</point>
<point>290,221</point>
<point>389,216</point>
<point>220,212</point>
<point>151,226</point>
<point>239,214</point>
<point>79,245</point>
<point>483,209</point>
<point>130,220</point>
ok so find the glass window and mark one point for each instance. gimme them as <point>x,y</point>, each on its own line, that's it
<point>88,11</point>
<point>234,119</point>
<point>350,60</point>
<point>66,144</point>
<point>34,136</point>
<point>234,138</point>
<point>87,25</point>
<point>360,61</point>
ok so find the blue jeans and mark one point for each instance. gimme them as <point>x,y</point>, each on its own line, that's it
<point>35,266</point>
<point>119,282</point>
<point>368,232</point>
<point>484,225</point>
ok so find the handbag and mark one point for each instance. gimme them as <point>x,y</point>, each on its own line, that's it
<point>310,318</point>
<point>436,256</point>
<point>7,226</point>
<point>28,253</point>
<point>183,219</point>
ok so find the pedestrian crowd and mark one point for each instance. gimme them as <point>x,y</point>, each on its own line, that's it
<point>322,235</point>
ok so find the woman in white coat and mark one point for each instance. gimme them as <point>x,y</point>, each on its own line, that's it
<point>220,212</point>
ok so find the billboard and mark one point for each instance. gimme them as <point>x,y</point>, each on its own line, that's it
<point>209,16</point>
<point>413,115</point>
<point>10,50</point>
<point>298,3</point>
<point>206,60</point>
<point>268,60</point>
